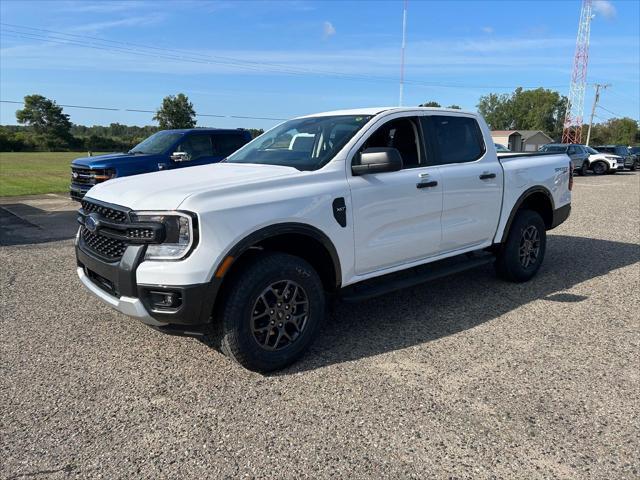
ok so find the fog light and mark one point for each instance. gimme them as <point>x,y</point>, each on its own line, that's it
<point>165,299</point>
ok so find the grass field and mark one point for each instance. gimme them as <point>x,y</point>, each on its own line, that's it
<point>30,173</point>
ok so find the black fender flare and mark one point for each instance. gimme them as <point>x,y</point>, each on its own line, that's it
<point>283,228</point>
<point>521,199</point>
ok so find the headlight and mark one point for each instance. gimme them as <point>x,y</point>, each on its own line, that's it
<point>179,234</point>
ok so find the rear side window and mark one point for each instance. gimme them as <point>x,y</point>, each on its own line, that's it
<point>226,144</point>
<point>197,146</point>
<point>456,139</point>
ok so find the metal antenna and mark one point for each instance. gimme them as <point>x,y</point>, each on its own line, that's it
<point>404,44</point>
<point>572,129</point>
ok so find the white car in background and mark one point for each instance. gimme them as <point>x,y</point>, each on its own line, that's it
<point>601,163</point>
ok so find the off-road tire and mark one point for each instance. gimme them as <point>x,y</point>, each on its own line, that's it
<point>236,315</point>
<point>509,264</point>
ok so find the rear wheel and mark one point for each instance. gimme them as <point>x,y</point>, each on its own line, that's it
<point>599,168</point>
<point>272,312</point>
<point>521,255</point>
<point>584,168</point>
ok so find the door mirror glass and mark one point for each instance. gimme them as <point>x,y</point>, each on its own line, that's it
<point>180,157</point>
<point>378,160</point>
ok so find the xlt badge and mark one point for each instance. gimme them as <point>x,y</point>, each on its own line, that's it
<point>340,211</point>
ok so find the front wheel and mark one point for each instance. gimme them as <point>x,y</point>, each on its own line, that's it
<point>521,256</point>
<point>599,168</point>
<point>272,312</point>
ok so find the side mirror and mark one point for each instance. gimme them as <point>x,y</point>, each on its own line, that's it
<point>378,160</point>
<point>180,157</point>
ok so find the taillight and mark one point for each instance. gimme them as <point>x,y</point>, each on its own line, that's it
<point>570,176</point>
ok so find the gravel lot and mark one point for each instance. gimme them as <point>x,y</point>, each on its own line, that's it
<point>468,377</point>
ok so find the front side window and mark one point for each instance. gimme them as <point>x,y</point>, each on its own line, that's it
<point>591,151</point>
<point>156,143</point>
<point>197,146</point>
<point>401,134</point>
<point>457,139</point>
<point>304,143</point>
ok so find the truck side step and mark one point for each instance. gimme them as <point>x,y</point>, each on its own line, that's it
<point>414,276</point>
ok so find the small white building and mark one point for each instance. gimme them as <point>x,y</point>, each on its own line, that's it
<point>521,140</point>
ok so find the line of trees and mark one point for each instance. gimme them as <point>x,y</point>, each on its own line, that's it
<point>45,127</point>
<point>543,109</point>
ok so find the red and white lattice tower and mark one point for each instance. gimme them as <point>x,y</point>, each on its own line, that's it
<point>572,129</point>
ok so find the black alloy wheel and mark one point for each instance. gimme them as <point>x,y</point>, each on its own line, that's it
<point>529,246</point>
<point>280,315</point>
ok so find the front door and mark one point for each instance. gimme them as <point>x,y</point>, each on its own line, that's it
<point>396,214</point>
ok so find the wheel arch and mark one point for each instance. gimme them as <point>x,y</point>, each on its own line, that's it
<point>538,199</point>
<point>299,239</point>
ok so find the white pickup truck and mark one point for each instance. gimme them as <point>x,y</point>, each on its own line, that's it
<point>349,204</point>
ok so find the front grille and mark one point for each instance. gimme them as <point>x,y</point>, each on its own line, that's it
<point>86,176</point>
<point>112,214</point>
<point>108,248</point>
<point>140,233</point>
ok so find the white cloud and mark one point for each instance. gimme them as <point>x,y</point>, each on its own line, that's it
<point>604,8</point>
<point>124,22</point>
<point>487,29</point>
<point>328,29</point>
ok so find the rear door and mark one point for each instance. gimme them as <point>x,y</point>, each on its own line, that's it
<point>472,180</point>
<point>396,214</point>
<point>224,144</point>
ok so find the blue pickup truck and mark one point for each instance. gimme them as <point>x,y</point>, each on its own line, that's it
<point>161,151</point>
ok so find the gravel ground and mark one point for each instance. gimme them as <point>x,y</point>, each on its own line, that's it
<point>467,377</point>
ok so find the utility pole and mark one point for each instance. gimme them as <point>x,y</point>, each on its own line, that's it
<point>404,43</point>
<point>593,109</point>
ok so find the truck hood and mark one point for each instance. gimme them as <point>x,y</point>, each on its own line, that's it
<point>166,190</point>
<point>108,160</point>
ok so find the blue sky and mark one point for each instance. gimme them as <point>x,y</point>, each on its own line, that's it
<point>288,58</point>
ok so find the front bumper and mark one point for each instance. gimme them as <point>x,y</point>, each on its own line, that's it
<point>78,191</point>
<point>115,284</point>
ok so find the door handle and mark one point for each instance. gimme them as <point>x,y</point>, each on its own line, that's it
<point>432,183</point>
<point>487,175</point>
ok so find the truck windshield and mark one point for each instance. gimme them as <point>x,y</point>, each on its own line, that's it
<point>156,143</point>
<point>305,143</point>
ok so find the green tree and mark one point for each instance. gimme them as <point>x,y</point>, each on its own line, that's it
<point>46,120</point>
<point>538,109</point>
<point>455,107</point>
<point>430,104</point>
<point>176,112</point>
<point>622,131</point>
<point>496,110</point>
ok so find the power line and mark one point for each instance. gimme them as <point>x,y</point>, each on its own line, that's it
<point>87,107</point>
<point>137,49</point>
<point>607,110</point>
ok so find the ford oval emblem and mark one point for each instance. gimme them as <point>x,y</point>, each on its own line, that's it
<point>91,223</point>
